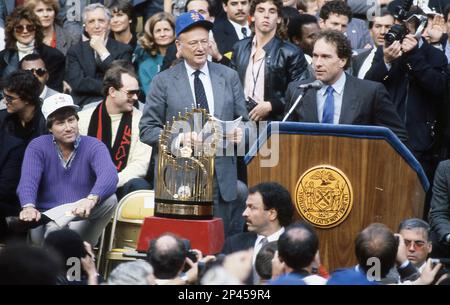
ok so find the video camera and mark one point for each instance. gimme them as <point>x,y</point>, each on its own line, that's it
<point>399,31</point>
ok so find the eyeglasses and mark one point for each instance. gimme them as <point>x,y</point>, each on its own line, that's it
<point>418,244</point>
<point>30,28</point>
<point>193,44</point>
<point>131,93</point>
<point>39,71</point>
<point>9,99</point>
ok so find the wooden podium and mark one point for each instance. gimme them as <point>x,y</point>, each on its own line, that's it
<point>388,184</point>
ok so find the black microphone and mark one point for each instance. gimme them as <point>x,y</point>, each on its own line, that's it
<point>317,84</point>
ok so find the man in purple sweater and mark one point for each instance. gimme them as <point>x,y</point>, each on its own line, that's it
<point>63,168</point>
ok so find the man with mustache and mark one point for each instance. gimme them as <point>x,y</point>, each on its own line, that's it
<point>269,209</point>
<point>62,168</point>
<point>232,26</point>
<point>115,122</point>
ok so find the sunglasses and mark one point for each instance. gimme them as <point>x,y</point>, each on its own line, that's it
<point>418,244</point>
<point>20,28</point>
<point>39,71</point>
<point>9,99</point>
<point>131,93</point>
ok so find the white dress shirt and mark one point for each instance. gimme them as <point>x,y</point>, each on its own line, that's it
<point>258,246</point>
<point>338,87</point>
<point>238,29</point>
<point>367,64</point>
<point>206,80</point>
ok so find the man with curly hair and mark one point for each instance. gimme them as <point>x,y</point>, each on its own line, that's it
<point>343,99</point>
<point>266,63</point>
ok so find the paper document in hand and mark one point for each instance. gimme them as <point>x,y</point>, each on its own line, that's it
<point>62,214</point>
<point>223,128</point>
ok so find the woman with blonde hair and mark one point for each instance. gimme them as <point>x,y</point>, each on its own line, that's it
<point>159,33</point>
<point>54,35</point>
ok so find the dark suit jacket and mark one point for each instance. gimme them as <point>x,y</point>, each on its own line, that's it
<point>363,103</point>
<point>238,242</point>
<point>224,34</point>
<point>358,61</point>
<point>85,76</point>
<point>11,155</point>
<point>417,84</point>
<point>439,215</point>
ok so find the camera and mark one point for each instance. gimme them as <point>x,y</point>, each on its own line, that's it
<point>191,254</point>
<point>399,31</point>
<point>396,32</point>
<point>250,103</point>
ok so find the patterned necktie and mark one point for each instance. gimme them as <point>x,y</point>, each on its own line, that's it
<point>200,95</point>
<point>244,31</point>
<point>263,242</point>
<point>328,109</point>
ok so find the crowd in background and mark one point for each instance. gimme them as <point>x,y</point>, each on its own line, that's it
<point>87,89</point>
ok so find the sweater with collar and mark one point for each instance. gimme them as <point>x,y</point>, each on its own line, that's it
<point>47,184</point>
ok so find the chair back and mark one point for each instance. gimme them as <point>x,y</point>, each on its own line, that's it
<point>128,218</point>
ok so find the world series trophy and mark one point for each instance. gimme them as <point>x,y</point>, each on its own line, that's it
<point>185,173</point>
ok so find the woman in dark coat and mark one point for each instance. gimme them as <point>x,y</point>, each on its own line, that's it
<point>23,36</point>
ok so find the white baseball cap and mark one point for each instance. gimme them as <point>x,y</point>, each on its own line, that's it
<point>55,102</point>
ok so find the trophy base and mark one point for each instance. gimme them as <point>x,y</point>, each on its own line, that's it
<point>184,209</point>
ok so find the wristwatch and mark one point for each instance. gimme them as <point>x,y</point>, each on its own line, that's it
<point>447,238</point>
<point>93,197</point>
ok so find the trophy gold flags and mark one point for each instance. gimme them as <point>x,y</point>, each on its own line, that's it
<point>185,173</point>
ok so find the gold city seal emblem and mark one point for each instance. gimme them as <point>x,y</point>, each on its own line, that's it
<point>324,196</point>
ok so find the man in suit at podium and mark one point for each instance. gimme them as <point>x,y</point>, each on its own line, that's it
<point>343,99</point>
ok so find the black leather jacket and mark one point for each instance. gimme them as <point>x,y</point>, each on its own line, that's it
<point>284,63</point>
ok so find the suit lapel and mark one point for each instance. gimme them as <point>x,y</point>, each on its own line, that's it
<point>181,83</point>
<point>88,58</point>
<point>349,102</point>
<point>218,88</point>
<point>230,31</point>
<point>308,106</point>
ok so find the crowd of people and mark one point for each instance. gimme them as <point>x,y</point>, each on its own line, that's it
<point>85,98</point>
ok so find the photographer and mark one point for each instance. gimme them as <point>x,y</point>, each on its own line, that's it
<point>415,75</point>
<point>169,256</point>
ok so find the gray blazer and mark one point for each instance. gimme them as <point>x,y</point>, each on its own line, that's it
<point>170,93</point>
<point>363,103</point>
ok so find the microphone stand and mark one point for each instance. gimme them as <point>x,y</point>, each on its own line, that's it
<point>302,92</point>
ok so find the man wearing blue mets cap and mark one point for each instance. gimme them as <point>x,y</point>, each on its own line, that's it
<point>207,85</point>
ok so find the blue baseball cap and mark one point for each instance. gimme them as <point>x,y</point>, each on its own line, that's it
<point>190,19</point>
